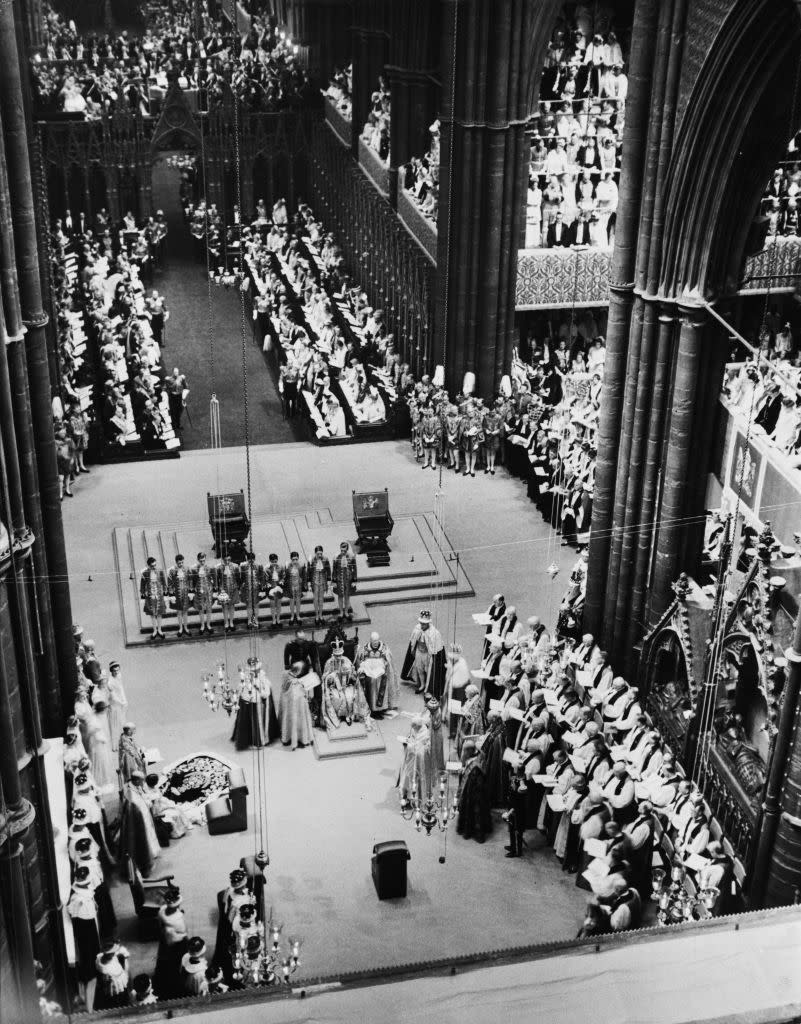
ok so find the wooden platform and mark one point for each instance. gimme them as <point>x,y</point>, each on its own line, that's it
<point>348,740</point>
<point>419,568</point>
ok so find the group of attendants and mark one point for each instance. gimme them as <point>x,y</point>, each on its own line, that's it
<point>420,177</point>
<point>340,91</point>
<point>765,388</point>
<point>542,425</point>
<point>202,588</point>
<point>338,362</point>
<point>96,75</point>
<point>548,732</point>
<point>105,771</point>
<point>577,137</point>
<point>375,132</point>
<point>780,201</point>
<point>121,814</point>
<point>111,332</point>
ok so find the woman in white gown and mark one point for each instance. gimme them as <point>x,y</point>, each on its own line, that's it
<point>118,703</point>
<point>98,747</point>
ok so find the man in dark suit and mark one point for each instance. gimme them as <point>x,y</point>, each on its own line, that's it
<point>558,232</point>
<point>580,232</point>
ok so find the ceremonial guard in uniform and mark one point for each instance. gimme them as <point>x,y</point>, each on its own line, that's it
<point>318,573</point>
<point>450,424</point>
<point>492,438</point>
<point>377,675</point>
<point>343,573</point>
<point>430,433</point>
<point>152,588</point>
<point>274,577</point>
<point>251,577</point>
<point>204,585</point>
<point>471,437</point>
<point>424,664</point>
<point>178,589</point>
<point>295,584</point>
<point>417,422</point>
<point>228,583</point>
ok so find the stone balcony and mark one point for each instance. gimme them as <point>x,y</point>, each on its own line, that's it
<point>339,125</point>
<point>421,228</point>
<point>549,278</point>
<point>375,168</point>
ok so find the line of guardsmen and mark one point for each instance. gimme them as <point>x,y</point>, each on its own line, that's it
<point>228,584</point>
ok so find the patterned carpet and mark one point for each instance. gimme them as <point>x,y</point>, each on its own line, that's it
<point>193,781</point>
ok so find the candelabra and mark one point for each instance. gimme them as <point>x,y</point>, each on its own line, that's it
<point>218,691</point>
<point>674,901</point>
<point>261,960</point>
<point>433,810</point>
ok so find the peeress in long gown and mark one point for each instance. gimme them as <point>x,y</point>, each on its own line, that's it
<point>296,720</point>
<point>99,748</point>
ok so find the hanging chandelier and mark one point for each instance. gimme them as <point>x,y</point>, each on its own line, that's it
<point>218,691</point>
<point>260,960</point>
<point>675,903</point>
<point>435,810</point>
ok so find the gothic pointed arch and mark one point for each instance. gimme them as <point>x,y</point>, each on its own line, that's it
<point>177,126</point>
<point>737,121</point>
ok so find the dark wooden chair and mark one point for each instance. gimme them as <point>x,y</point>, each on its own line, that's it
<point>148,896</point>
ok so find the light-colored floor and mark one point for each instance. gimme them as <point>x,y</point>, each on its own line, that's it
<point>323,817</point>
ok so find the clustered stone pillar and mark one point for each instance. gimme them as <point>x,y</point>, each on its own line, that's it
<point>491,57</point>
<point>639,383</point>
<point>30,378</point>
<point>370,52</point>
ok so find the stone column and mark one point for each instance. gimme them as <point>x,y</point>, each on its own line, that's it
<point>370,50</point>
<point>31,380</point>
<point>650,21</point>
<point>492,55</point>
<point>677,457</point>
<point>324,28</point>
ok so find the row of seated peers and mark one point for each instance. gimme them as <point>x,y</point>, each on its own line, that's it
<point>333,349</point>
<point>771,402</point>
<point>340,91</point>
<point>549,732</point>
<point>420,177</point>
<point>96,75</point>
<point>110,336</point>
<point>376,128</point>
<point>780,201</point>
